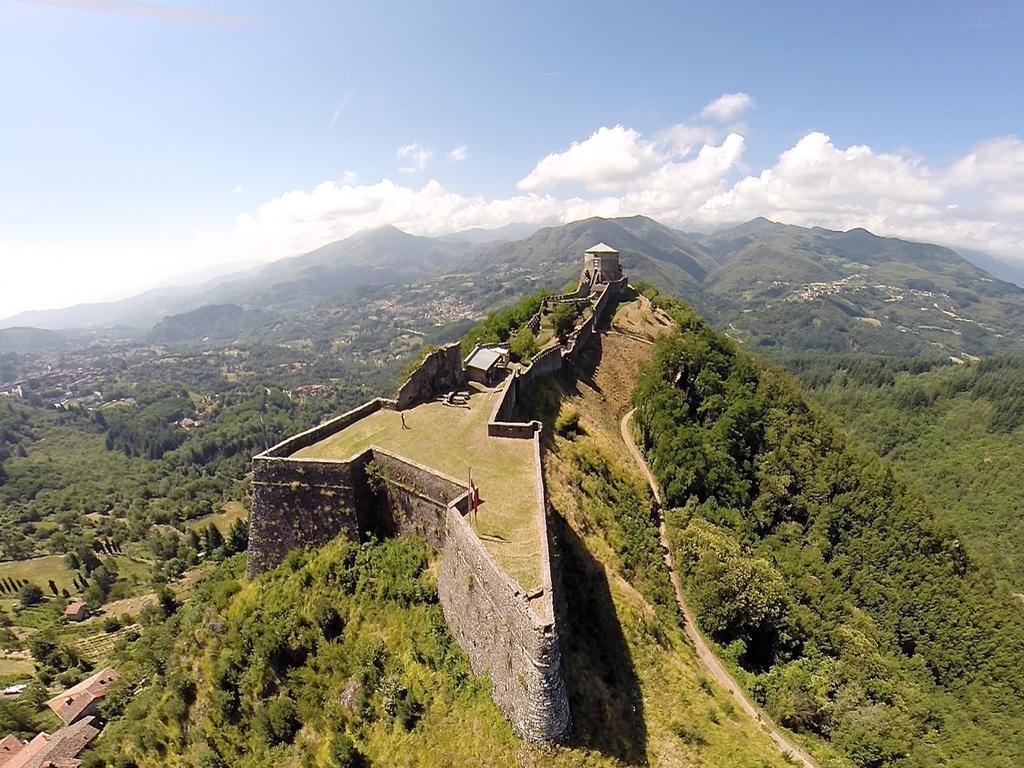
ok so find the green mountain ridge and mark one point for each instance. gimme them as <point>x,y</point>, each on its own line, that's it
<point>211,323</point>
<point>777,287</point>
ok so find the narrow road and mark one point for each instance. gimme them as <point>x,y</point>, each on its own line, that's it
<point>704,652</point>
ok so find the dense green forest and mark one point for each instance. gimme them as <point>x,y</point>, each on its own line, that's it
<point>955,430</point>
<point>857,615</point>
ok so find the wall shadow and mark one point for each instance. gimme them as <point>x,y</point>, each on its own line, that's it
<point>588,360</point>
<point>604,691</point>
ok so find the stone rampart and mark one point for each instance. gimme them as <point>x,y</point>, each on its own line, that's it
<point>326,429</point>
<point>508,635</point>
<point>534,322</point>
<point>543,364</point>
<point>441,371</point>
<point>505,639</point>
<point>415,498</point>
<point>303,504</point>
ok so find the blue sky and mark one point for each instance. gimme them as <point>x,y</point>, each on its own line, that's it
<point>141,141</point>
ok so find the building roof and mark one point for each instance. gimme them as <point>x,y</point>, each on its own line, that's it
<point>74,607</point>
<point>59,750</point>
<point>485,358</point>
<point>71,704</point>
<point>9,747</point>
<point>600,248</point>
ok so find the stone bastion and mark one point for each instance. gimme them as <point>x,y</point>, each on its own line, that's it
<point>386,469</point>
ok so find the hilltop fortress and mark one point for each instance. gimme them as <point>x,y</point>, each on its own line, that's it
<point>450,460</point>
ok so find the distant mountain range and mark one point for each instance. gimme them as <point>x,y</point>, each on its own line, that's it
<point>768,285</point>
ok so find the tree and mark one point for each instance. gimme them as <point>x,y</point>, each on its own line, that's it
<point>563,318</point>
<point>523,346</point>
<point>30,594</point>
<point>344,753</point>
<point>167,602</point>
<point>238,537</point>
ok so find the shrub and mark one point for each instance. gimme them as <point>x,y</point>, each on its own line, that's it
<point>689,735</point>
<point>523,346</point>
<point>568,424</point>
<point>30,594</point>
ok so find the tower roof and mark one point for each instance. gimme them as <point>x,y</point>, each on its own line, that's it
<point>601,248</point>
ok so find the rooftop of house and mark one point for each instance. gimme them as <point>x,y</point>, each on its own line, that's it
<point>485,358</point>
<point>56,750</point>
<point>601,248</point>
<point>74,607</point>
<point>70,704</point>
<point>454,440</point>
<point>9,747</point>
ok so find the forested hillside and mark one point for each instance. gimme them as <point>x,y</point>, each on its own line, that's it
<point>955,430</point>
<point>856,615</point>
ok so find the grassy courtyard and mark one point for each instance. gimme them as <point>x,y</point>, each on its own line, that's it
<point>454,440</point>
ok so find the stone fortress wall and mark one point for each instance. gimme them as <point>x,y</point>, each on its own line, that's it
<point>552,360</point>
<point>508,634</point>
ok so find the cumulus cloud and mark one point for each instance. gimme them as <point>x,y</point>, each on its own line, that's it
<point>618,159</point>
<point>416,156</point>
<point>974,202</point>
<point>727,107</point>
<point>609,157</point>
<point>458,154</point>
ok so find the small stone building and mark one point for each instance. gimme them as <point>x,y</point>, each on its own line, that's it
<point>76,610</point>
<point>485,365</point>
<point>601,264</point>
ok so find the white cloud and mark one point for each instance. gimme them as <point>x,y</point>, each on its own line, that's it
<point>975,202</point>
<point>458,154</point>
<point>348,178</point>
<point>238,188</point>
<point>416,155</point>
<point>605,160</point>
<point>727,107</point>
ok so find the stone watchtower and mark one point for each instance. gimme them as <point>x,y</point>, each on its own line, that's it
<point>601,264</point>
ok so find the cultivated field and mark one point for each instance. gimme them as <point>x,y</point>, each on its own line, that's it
<point>40,570</point>
<point>454,441</point>
<point>14,666</point>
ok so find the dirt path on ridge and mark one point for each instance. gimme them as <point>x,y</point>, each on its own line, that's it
<point>707,657</point>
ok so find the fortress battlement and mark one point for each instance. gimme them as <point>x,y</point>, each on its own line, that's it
<point>448,460</point>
